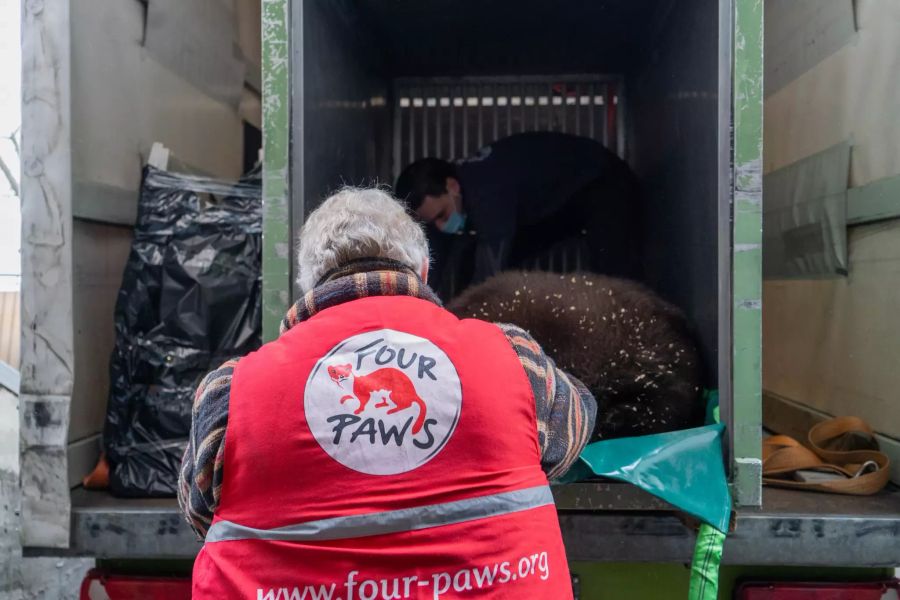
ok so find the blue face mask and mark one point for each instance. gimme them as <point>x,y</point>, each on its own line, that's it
<point>454,223</point>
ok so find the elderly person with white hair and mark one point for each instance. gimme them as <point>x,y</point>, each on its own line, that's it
<point>381,447</point>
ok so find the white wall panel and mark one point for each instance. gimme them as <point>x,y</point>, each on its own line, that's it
<point>835,344</point>
<point>124,100</point>
<point>854,94</point>
<point>197,40</point>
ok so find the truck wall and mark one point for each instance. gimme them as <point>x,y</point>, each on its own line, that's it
<point>346,121</point>
<point>671,102</point>
<point>833,342</point>
<point>130,90</point>
<point>103,80</point>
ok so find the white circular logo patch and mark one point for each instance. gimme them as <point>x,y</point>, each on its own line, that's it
<point>383,402</point>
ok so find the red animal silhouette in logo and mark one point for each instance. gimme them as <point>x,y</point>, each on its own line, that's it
<point>392,382</point>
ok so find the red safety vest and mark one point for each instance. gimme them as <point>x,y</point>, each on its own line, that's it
<point>383,449</point>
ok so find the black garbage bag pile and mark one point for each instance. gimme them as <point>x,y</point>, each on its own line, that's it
<point>190,300</point>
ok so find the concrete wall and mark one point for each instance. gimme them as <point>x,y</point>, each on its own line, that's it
<point>46,194</point>
<point>46,578</point>
<point>672,104</point>
<point>834,344</point>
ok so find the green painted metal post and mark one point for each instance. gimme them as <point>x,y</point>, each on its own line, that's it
<point>747,255</point>
<point>276,164</point>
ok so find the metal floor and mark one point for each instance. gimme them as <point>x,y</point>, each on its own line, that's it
<point>607,522</point>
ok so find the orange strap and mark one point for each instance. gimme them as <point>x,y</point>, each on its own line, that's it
<point>98,479</point>
<point>783,455</point>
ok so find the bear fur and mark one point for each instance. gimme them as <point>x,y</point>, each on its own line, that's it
<point>633,350</point>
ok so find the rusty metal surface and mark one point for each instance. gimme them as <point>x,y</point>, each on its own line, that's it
<point>602,522</point>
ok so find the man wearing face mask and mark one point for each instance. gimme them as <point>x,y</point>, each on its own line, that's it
<point>516,198</point>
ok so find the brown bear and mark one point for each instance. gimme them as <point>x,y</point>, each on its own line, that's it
<point>633,350</point>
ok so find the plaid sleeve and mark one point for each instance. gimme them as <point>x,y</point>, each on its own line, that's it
<point>200,480</point>
<point>566,410</point>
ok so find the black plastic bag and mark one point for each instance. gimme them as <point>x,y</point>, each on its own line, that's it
<point>190,300</point>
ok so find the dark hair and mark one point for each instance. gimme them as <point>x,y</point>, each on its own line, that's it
<point>424,177</point>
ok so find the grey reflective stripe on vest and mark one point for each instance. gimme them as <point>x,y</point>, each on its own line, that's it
<point>392,521</point>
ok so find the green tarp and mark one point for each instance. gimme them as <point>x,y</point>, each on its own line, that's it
<point>684,468</point>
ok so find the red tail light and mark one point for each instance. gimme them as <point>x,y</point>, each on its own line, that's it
<point>104,586</point>
<point>875,590</point>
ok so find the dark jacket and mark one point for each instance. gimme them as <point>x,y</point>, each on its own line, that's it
<point>510,189</point>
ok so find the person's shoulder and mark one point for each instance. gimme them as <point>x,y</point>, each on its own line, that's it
<point>215,387</point>
<point>521,341</point>
<point>219,376</point>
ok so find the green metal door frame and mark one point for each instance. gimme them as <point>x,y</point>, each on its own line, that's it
<point>742,187</point>
<point>276,109</point>
<point>746,291</point>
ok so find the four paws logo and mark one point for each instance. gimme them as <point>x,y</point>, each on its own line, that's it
<point>383,402</point>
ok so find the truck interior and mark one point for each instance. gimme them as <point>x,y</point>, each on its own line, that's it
<point>377,84</point>
<point>384,84</point>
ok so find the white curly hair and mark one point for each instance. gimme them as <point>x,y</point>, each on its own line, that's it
<point>358,223</point>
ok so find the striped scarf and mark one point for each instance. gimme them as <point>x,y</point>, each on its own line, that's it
<point>358,279</point>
